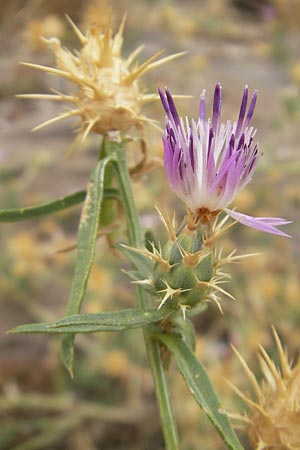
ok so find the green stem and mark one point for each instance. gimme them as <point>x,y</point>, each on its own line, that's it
<point>153,350</point>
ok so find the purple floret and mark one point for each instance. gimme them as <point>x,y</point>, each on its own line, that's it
<point>208,162</point>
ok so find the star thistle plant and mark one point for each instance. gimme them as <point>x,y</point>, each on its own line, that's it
<point>208,162</point>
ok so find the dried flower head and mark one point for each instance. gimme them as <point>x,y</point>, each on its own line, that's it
<point>274,421</point>
<point>207,162</point>
<point>108,95</point>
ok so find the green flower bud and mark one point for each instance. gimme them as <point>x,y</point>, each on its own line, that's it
<point>180,273</point>
<point>190,268</point>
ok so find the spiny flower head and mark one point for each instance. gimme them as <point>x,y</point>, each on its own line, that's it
<point>274,421</point>
<point>208,162</point>
<point>181,272</point>
<point>108,95</point>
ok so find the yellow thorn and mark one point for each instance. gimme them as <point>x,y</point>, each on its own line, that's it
<point>183,309</point>
<point>267,374</point>
<point>134,54</point>
<point>219,225</point>
<point>214,286</point>
<point>218,231</point>
<point>284,363</point>
<point>269,362</point>
<point>249,373</point>
<point>147,98</point>
<point>52,70</point>
<point>155,255</point>
<point>165,60</point>
<point>271,368</point>
<point>247,400</point>
<point>216,300</point>
<point>122,25</point>
<point>151,122</point>
<point>118,39</point>
<point>193,259</point>
<point>73,145</point>
<point>169,292</point>
<point>141,69</point>
<point>106,57</point>
<point>235,416</point>
<point>231,259</point>
<point>170,224</point>
<point>83,40</point>
<point>66,115</point>
<point>146,281</point>
<point>67,98</point>
<point>88,129</point>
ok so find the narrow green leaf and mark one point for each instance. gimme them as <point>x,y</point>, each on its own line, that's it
<point>141,262</point>
<point>124,318</point>
<point>86,241</point>
<point>185,328</point>
<point>19,214</point>
<point>93,323</point>
<point>109,207</point>
<point>201,388</point>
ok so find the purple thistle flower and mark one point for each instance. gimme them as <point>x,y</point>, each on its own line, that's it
<point>207,162</point>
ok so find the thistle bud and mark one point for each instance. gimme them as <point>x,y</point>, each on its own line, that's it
<point>181,270</point>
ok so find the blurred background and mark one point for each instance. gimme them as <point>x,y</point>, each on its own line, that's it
<point>110,403</point>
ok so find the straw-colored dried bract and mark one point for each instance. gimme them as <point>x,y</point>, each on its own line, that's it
<point>108,95</point>
<point>274,420</point>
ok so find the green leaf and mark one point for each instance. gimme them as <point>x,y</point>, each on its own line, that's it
<point>109,207</point>
<point>201,388</point>
<point>93,323</point>
<point>185,328</point>
<point>141,262</point>
<point>196,310</point>
<point>86,241</point>
<point>18,214</point>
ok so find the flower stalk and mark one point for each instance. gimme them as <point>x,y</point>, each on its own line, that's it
<point>152,346</point>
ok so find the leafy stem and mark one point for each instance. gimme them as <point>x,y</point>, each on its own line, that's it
<point>117,150</point>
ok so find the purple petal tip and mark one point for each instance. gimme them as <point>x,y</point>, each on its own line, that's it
<point>266,224</point>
